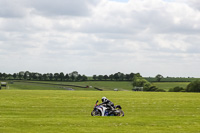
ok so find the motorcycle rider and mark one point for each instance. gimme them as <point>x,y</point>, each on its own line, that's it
<point>108,104</point>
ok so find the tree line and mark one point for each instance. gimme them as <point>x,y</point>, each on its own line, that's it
<point>73,76</point>
<point>117,77</point>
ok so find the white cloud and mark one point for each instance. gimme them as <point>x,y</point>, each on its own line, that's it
<point>100,37</point>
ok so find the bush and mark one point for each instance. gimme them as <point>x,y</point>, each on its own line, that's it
<point>141,82</point>
<point>147,86</point>
<point>152,88</point>
<point>183,90</point>
<point>194,86</point>
<point>177,89</point>
<point>160,90</point>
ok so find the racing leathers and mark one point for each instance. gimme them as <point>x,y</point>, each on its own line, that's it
<point>109,105</point>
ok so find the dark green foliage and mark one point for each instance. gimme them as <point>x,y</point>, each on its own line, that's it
<point>117,76</point>
<point>152,88</point>
<point>66,77</point>
<point>141,82</point>
<point>159,77</point>
<point>127,76</point>
<point>160,90</point>
<point>84,78</point>
<point>94,77</point>
<point>176,89</point>
<point>61,76</point>
<point>172,79</point>
<point>105,77</point>
<point>111,77</point>
<point>183,90</point>
<point>100,77</point>
<point>193,86</point>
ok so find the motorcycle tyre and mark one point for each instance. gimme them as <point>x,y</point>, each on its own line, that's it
<point>93,113</point>
<point>121,114</point>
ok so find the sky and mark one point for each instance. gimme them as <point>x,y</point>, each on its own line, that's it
<point>101,37</point>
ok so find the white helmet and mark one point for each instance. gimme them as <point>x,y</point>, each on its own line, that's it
<point>104,99</point>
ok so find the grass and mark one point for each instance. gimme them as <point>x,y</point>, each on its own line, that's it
<point>42,111</point>
<point>38,86</point>
<point>105,85</point>
<point>167,85</point>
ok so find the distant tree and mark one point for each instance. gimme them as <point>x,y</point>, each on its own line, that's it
<point>116,76</point>
<point>61,76</point>
<point>56,76</point>
<point>141,82</point>
<point>105,77</point>
<point>194,86</point>
<point>1,75</point>
<point>51,76</point>
<point>127,77</point>
<point>137,74</point>
<point>111,77</point>
<point>94,77</point>
<point>48,76</point>
<point>21,75</point>
<point>100,77</point>
<point>67,77</point>
<point>9,76</point>
<point>159,77</point>
<point>35,76</point>
<point>30,76</point>
<point>73,75</point>
<point>84,78</point>
<point>26,75</point>
<point>121,76</point>
<point>15,76</point>
<point>45,77</point>
<point>5,76</point>
<point>79,78</point>
<point>132,76</point>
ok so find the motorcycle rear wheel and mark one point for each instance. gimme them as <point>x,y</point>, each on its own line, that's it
<point>121,113</point>
<point>95,113</point>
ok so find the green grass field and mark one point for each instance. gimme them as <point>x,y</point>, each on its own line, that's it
<point>167,85</point>
<point>105,85</point>
<point>61,111</point>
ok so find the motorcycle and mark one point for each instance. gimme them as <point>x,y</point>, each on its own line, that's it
<point>101,110</point>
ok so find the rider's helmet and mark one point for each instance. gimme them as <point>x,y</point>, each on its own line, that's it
<point>104,99</point>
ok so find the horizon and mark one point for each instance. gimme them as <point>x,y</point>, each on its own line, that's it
<point>104,74</point>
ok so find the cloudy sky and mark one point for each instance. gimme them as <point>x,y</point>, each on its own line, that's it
<point>101,36</point>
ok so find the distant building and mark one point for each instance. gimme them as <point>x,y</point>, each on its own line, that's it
<point>3,84</point>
